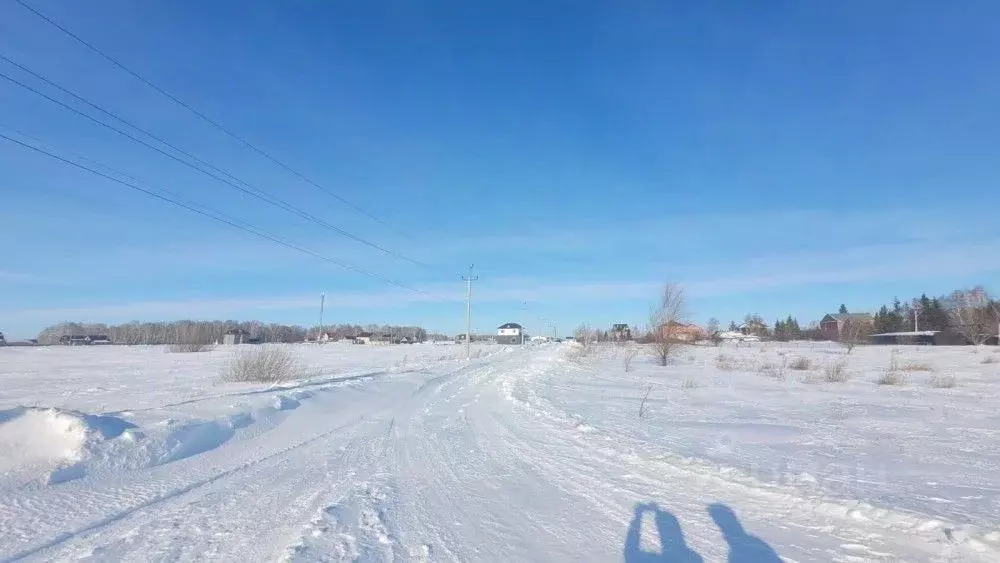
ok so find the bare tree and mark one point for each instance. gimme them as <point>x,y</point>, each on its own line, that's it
<point>585,336</point>
<point>972,314</point>
<point>665,322</point>
<point>854,332</point>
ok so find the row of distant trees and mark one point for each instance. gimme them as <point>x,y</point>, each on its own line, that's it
<point>972,313</point>
<point>209,332</point>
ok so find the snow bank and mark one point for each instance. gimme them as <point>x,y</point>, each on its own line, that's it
<point>39,444</point>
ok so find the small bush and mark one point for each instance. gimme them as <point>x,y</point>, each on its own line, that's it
<point>917,366</point>
<point>628,355</point>
<point>800,364</point>
<point>989,360</point>
<point>836,373</point>
<point>725,363</point>
<point>894,378</point>
<point>943,381</point>
<point>689,384</point>
<point>768,369</point>
<point>261,364</point>
<point>190,347</point>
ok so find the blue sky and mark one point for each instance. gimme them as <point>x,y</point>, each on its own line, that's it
<point>773,157</point>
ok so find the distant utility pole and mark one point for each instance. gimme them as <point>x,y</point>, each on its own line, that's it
<point>468,312</point>
<point>322,304</point>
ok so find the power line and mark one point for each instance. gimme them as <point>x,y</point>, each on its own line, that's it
<point>205,118</point>
<point>133,179</point>
<point>249,189</point>
<point>215,216</point>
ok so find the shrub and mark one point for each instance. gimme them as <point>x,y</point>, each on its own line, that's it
<point>989,360</point>
<point>689,384</point>
<point>261,364</point>
<point>836,373</point>
<point>894,378</point>
<point>725,363</point>
<point>917,366</point>
<point>800,364</point>
<point>943,381</point>
<point>190,347</point>
<point>768,369</point>
<point>628,355</point>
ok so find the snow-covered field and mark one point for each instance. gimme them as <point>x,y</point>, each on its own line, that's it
<point>413,453</point>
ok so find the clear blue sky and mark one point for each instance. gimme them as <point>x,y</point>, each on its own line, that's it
<point>774,157</point>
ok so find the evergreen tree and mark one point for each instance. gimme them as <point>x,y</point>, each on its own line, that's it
<point>843,309</point>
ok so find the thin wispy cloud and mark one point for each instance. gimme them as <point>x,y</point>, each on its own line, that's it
<point>875,263</point>
<point>7,276</point>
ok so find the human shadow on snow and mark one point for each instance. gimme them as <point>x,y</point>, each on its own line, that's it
<point>672,545</point>
<point>743,547</point>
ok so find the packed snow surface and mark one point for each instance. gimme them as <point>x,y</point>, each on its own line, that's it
<point>549,452</point>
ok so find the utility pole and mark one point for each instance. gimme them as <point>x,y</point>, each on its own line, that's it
<point>468,312</point>
<point>322,303</point>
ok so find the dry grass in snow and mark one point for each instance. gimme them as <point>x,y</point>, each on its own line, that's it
<point>262,364</point>
<point>801,364</point>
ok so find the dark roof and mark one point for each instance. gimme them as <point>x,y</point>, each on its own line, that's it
<point>509,325</point>
<point>619,326</point>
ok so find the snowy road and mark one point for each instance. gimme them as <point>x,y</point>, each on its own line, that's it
<point>459,462</point>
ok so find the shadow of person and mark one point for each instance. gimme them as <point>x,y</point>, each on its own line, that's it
<point>673,549</point>
<point>743,547</point>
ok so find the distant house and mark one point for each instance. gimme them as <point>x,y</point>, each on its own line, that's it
<point>832,326</point>
<point>736,336</point>
<point>925,337</point>
<point>363,338</point>
<point>235,336</point>
<point>98,339</point>
<point>681,332</point>
<point>620,332</point>
<point>510,333</point>
<point>753,327</point>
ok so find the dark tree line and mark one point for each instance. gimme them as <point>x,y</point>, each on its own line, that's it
<point>210,332</point>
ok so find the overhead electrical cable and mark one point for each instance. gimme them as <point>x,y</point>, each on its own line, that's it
<point>205,118</point>
<point>216,216</point>
<point>234,182</point>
